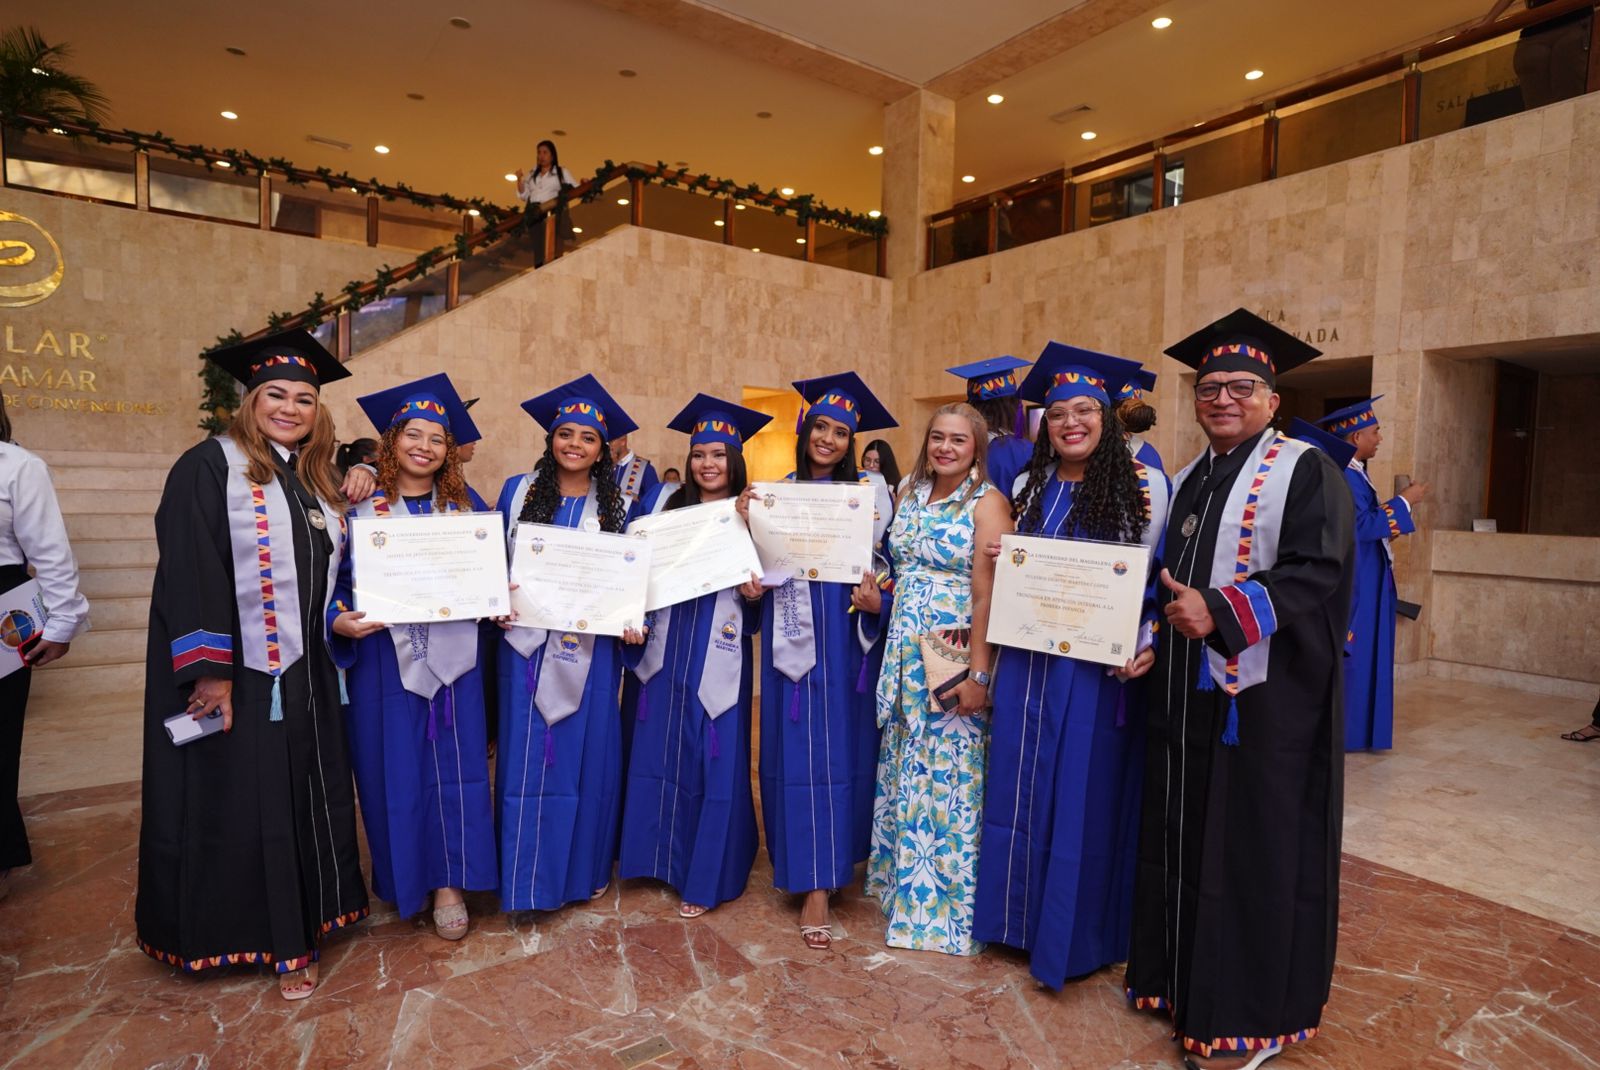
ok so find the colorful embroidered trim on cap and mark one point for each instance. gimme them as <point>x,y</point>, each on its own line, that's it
<point>269,604</point>
<point>1205,1050</point>
<point>996,386</point>
<point>581,408</point>
<point>421,407</point>
<point>1130,392</point>
<point>1256,604</point>
<point>1353,423</point>
<point>720,427</point>
<point>1238,349</point>
<point>202,646</point>
<point>1073,378</point>
<point>838,401</point>
<point>280,359</point>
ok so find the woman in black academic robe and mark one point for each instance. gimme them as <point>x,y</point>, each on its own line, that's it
<point>247,852</point>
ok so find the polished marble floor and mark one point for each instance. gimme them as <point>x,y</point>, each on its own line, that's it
<point>1469,938</point>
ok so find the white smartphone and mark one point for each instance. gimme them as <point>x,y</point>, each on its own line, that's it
<point>183,728</point>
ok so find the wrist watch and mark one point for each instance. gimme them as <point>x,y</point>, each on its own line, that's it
<point>982,678</point>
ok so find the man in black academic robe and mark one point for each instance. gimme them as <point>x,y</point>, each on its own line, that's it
<point>1236,894</point>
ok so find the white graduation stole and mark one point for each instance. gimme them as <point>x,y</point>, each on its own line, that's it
<point>718,690</point>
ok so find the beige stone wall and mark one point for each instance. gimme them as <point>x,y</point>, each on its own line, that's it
<point>148,292</point>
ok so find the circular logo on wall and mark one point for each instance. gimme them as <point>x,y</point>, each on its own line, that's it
<point>31,264</point>
<point>16,628</point>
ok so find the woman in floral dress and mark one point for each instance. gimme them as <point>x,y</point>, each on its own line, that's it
<point>928,810</point>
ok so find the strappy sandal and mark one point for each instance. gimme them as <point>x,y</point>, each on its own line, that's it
<point>690,910</point>
<point>1260,1057</point>
<point>817,937</point>
<point>298,984</point>
<point>1587,734</point>
<point>450,921</point>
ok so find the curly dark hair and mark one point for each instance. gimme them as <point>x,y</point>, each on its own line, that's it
<point>544,492</point>
<point>1107,504</point>
<point>843,472</point>
<point>688,493</point>
<point>449,485</point>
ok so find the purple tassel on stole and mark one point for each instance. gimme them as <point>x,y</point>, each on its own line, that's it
<point>1230,731</point>
<point>861,680</point>
<point>449,706</point>
<point>794,704</point>
<point>549,746</point>
<point>433,722</point>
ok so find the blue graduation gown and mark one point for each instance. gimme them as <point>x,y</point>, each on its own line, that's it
<point>1369,668</point>
<point>1008,459</point>
<point>1061,803</point>
<point>688,815</point>
<point>424,802</point>
<point>558,790</point>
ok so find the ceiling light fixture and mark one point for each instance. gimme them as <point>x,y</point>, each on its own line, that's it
<point>577,230</point>
<point>763,115</point>
<point>787,191</point>
<point>627,72</point>
<point>1088,135</point>
<point>415,96</point>
<point>354,190</point>
<point>460,23</point>
<point>230,115</point>
<point>969,178</point>
<point>874,214</point>
<point>511,177</point>
<point>559,133</point>
<point>232,51</point>
<point>381,150</point>
<point>1251,76</point>
<point>57,130</point>
<point>996,98</point>
<point>1161,23</point>
<point>738,208</point>
<point>474,213</point>
<point>717,223</point>
<point>223,163</point>
<point>622,201</point>
<point>876,150</point>
<point>755,248</point>
<point>799,241</point>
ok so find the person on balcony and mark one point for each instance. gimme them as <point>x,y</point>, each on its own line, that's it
<point>1552,58</point>
<point>31,533</point>
<point>536,187</point>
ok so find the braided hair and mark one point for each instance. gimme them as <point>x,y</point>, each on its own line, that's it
<point>1107,504</point>
<point>544,492</point>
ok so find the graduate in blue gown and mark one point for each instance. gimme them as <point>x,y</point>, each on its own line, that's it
<point>558,772</point>
<point>992,390</point>
<point>819,727</point>
<point>416,718</point>
<point>688,816</point>
<point>1138,416</point>
<point>1369,666</point>
<point>1061,803</point>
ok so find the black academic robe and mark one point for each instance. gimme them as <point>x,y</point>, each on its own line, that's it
<point>247,849</point>
<point>1236,898</point>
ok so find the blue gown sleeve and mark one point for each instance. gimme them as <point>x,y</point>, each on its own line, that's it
<point>1375,520</point>
<point>341,648</point>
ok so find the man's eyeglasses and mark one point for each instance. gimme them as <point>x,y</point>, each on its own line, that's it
<point>1238,389</point>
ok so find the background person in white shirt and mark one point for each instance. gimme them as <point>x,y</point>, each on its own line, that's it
<point>544,183</point>
<point>31,533</point>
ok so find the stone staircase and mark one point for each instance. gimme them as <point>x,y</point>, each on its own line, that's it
<point>84,712</point>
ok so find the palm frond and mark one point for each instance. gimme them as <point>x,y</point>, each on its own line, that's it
<point>34,80</point>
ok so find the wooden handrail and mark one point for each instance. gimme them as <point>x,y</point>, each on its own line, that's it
<point>1392,63</point>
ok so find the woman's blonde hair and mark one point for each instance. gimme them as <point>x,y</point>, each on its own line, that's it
<point>314,464</point>
<point>923,471</point>
<point>449,484</point>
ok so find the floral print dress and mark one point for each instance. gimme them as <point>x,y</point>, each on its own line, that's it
<point>928,809</point>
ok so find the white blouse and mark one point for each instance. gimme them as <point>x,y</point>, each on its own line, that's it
<point>546,187</point>
<point>32,532</point>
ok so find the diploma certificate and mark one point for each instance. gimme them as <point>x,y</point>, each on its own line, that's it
<point>22,620</point>
<point>1069,597</point>
<point>592,582</point>
<point>426,569</point>
<point>695,551</point>
<point>813,531</point>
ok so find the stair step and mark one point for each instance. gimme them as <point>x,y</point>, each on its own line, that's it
<point>63,727</point>
<point>112,646</point>
<point>121,683</point>
<point>103,458</point>
<point>115,553</point>
<point>107,614</point>
<point>78,501</point>
<point>110,526</point>
<point>116,582</point>
<point>107,477</point>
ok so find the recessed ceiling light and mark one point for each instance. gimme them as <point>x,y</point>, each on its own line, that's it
<point>230,115</point>
<point>799,241</point>
<point>996,98</point>
<point>1251,76</point>
<point>622,201</point>
<point>738,208</point>
<point>354,190</point>
<point>755,248</point>
<point>969,178</point>
<point>224,163</point>
<point>577,230</point>
<point>511,177</point>
<point>381,150</point>
<point>415,96</point>
<point>876,150</point>
<point>763,115</point>
<point>628,73</point>
<point>57,130</point>
<point>787,191</point>
<point>230,50</point>
<point>1161,23</point>
<point>474,213</point>
<point>874,214</point>
<point>461,23</point>
<point>681,163</point>
<point>559,133</point>
<point>717,223</point>
<point>1088,135</point>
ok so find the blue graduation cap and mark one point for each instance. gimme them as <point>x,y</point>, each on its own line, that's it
<point>1242,341</point>
<point>1064,371</point>
<point>844,397</point>
<point>582,401</point>
<point>995,377</point>
<point>1351,418</point>
<point>433,398</point>
<point>1341,451</point>
<point>1135,387</point>
<point>709,419</point>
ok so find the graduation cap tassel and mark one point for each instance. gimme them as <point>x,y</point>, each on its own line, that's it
<point>1230,731</point>
<point>1204,682</point>
<point>277,699</point>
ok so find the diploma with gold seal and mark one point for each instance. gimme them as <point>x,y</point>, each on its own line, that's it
<point>813,531</point>
<point>1069,597</point>
<point>694,551</point>
<point>569,579</point>
<point>428,569</point>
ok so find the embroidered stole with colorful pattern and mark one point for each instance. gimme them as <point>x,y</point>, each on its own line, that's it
<point>631,477</point>
<point>272,641</point>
